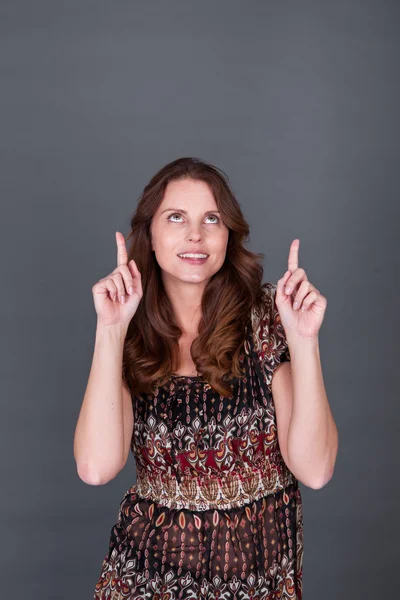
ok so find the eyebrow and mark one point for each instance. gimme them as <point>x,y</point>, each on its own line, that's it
<point>185,212</point>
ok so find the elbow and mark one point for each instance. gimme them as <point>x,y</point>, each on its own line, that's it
<point>314,483</point>
<point>92,477</point>
<point>88,476</point>
<point>318,484</point>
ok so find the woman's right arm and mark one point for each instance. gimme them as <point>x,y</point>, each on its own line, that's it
<point>104,428</point>
<point>105,424</point>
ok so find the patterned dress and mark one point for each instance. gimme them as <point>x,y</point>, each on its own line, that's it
<point>215,512</point>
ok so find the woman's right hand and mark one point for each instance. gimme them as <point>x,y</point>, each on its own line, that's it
<point>107,292</point>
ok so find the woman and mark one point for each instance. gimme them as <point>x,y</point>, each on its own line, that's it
<point>188,340</point>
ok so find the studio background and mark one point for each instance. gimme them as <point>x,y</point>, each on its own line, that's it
<point>298,104</point>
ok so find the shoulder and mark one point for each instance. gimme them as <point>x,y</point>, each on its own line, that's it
<point>264,313</point>
<point>268,332</point>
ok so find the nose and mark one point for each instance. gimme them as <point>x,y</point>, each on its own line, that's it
<point>194,234</point>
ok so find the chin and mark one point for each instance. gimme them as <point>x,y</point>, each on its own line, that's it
<point>188,277</point>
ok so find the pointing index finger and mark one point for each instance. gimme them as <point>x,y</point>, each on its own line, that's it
<point>122,254</point>
<point>293,261</point>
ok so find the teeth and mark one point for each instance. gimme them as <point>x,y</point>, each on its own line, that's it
<point>190,255</point>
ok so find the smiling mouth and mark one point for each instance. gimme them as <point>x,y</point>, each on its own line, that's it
<point>192,260</point>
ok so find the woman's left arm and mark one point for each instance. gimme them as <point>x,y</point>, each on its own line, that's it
<point>312,438</point>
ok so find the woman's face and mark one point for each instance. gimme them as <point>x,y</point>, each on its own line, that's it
<point>181,224</point>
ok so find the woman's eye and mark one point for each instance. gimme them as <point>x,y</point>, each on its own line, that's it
<point>174,215</point>
<point>208,217</point>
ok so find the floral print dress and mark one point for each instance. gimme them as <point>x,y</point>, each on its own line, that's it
<point>215,512</point>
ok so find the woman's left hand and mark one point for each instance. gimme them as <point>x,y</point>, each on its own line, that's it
<point>297,322</point>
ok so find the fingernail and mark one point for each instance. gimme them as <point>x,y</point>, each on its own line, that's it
<point>295,305</point>
<point>122,299</point>
<point>288,290</point>
<point>130,290</point>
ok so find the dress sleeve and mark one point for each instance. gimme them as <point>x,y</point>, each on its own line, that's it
<point>270,338</point>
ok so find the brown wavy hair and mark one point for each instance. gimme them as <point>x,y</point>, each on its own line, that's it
<point>151,348</point>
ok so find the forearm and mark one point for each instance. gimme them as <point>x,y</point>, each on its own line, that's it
<point>99,434</point>
<point>312,435</point>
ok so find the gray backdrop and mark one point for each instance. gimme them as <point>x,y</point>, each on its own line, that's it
<point>298,103</point>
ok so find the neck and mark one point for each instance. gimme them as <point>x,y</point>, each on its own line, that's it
<point>185,299</point>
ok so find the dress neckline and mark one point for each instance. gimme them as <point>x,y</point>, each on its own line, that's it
<point>176,376</point>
